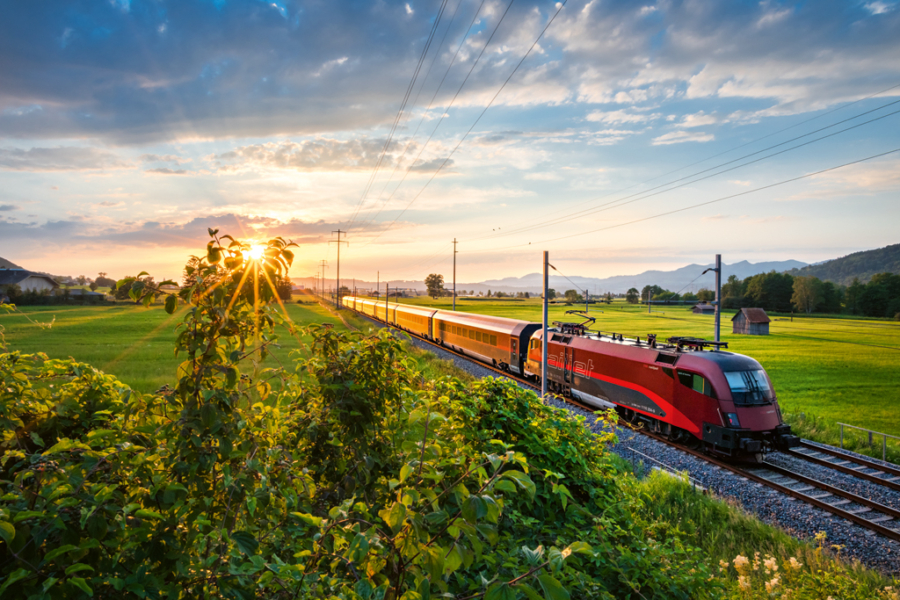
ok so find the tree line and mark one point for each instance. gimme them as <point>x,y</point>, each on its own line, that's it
<point>782,292</point>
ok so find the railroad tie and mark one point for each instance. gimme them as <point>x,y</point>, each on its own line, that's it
<point>820,496</point>
<point>857,511</point>
<point>881,519</point>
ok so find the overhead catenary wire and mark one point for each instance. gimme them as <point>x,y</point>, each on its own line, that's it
<point>561,5</point>
<point>646,193</point>
<point>430,103</point>
<point>706,203</point>
<point>403,103</point>
<point>438,124</point>
<point>718,154</point>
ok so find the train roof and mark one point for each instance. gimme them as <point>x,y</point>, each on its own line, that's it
<point>489,322</point>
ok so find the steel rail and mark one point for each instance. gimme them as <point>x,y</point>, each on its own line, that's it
<point>741,472</point>
<point>863,463</point>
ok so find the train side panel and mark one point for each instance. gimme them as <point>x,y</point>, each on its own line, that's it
<point>414,319</point>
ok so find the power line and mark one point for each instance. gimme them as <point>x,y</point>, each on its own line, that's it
<point>759,139</point>
<point>438,170</point>
<point>645,194</point>
<point>708,202</point>
<point>403,103</point>
<point>433,96</point>
<point>438,124</point>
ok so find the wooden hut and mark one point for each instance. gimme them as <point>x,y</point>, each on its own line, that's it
<point>751,321</point>
<point>704,309</point>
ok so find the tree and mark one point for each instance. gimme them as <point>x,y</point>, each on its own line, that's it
<point>435,284</point>
<point>104,281</point>
<point>93,286</point>
<point>733,288</point>
<point>551,293</point>
<point>705,295</point>
<point>806,293</point>
<point>526,295</point>
<point>284,288</point>
<point>81,279</point>
<point>653,290</point>
<point>573,296</point>
<point>488,294</point>
<point>632,296</point>
<point>854,291</point>
<point>770,291</point>
<point>689,297</point>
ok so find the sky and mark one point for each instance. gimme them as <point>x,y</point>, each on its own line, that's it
<point>620,136</point>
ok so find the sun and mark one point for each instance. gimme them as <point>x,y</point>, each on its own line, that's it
<point>257,251</point>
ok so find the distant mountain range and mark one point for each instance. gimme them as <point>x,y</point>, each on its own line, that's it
<point>685,279</point>
<point>859,264</point>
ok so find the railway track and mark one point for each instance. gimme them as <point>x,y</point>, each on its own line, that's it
<point>871,515</point>
<point>870,470</point>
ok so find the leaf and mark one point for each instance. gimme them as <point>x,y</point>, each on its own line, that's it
<point>396,516</point>
<point>309,519</point>
<point>500,591</point>
<point>505,486</point>
<point>37,439</point>
<point>212,232</point>
<point>81,584</point>
<point>580,548</point>
<point>529,591</point>
<point>208,414</point>
<point>533,557</point>
<point>553,589</point>
<point>78,567</point>
<point>245,541</point>
<point>148,514</point>
<point>364,589</point>
<point>405,470</point>
<point>12,578</point>
<point>58,551</point>
<point>7,531</point>
<point>26,514</point>
<point>171,303</point>
<point>359,548</point>
<point>473,508</point>
<point>523,480</point>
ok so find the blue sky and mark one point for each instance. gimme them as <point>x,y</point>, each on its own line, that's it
<point>129,127</point>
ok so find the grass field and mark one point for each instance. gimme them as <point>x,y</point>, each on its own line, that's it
<point>840,369</point>
<point>830,369</point>
<point>134,343</point>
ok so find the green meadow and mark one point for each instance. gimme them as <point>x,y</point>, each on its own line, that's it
<point>131,342</point>
<point>828,370</point>
<point>835,369</point>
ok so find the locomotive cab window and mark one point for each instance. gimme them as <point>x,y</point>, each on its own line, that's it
<point>749,387</point>
<point>698,383</point>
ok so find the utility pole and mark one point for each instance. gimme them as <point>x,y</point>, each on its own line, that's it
<point>454,273</point>
<point>378,283</point>
<point>587,297</point>
<point>544,326</point>
<point>323,266</point>
<point>387,294</point>
<point>337,296</point>
<point>649,291</point>
<point>718,301</point>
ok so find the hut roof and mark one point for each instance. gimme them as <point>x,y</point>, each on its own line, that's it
<point>753,315</point>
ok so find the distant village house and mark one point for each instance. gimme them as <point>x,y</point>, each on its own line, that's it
<point>26,280</point>
<point>704,309</point>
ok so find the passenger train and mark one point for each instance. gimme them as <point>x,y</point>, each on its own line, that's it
<point>689,390</point>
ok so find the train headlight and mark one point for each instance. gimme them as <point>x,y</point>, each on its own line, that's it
<point>731,420</point>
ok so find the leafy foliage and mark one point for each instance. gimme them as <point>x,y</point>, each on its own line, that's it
<point>337,475</point>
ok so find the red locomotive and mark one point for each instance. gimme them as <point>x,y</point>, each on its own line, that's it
<point>687,389</point>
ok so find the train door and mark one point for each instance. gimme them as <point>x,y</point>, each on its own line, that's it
<point>514,352</point>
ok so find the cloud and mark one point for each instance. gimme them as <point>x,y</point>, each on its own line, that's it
<point>323,154</point>
<point>678,137</point>
<point>699,119</point>
<point>878,8</point>
<point>165,158</point>
<point>108,204</point>
<point>60,158</point>
<point>166,171</point>
<point>615,117</point>
<point>82,231</point>
<point>8,207</point>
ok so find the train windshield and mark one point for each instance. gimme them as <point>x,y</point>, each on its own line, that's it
<point>749,387</point>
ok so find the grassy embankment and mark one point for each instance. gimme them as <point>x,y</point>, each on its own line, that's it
<point>827,369</point>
